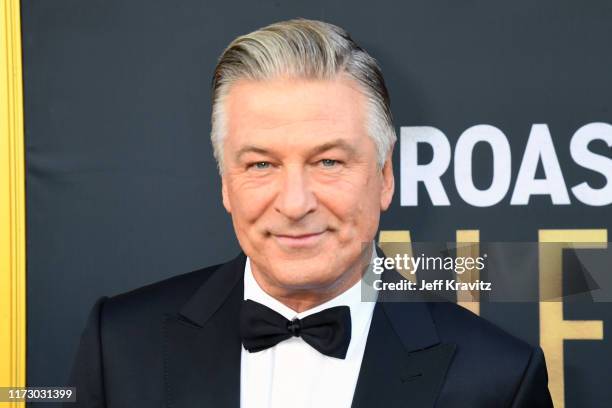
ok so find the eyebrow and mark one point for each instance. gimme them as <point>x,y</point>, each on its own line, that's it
<point>334,144</point>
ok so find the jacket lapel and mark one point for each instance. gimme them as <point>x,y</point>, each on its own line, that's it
<point>202,345</point>
<point>393,372</point>
<point>404,363</point>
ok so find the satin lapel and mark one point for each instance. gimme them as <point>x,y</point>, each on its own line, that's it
<point>202,344</point>
<point>404,363</point>
<point>394,375</point>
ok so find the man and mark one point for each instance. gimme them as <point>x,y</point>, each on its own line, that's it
<point>302,132</point>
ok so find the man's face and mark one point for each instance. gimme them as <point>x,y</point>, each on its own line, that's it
<point>301,181</point>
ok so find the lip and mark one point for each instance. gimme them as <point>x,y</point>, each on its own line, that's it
<point>299,241</point>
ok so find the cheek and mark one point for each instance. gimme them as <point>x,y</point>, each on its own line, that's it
<point>249,202</point>
<point>355,203</point>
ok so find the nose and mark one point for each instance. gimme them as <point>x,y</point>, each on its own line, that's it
<point>295,199</point>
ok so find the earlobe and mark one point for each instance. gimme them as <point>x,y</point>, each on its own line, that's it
<point>388,183</point>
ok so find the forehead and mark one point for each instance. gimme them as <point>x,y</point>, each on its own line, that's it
<point>295,108</point>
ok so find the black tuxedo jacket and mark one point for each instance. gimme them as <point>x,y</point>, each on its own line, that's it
<point>176,344</point>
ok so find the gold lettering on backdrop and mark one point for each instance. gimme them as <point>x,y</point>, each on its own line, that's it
<point>468,247</point>
<point>553,328</point>
<point>397,243</point>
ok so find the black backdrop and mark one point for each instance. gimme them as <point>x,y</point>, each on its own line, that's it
<point>122,187</point>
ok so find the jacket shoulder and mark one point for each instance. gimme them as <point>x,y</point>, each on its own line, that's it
<point>156,299</point>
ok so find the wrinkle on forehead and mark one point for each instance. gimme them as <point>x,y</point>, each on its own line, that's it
<point>289,103</point>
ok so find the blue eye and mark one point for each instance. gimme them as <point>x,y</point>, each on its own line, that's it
<point>261,165</point>
<point>329,162</point>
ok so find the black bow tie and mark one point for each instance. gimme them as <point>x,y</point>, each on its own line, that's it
<point>328,331</point>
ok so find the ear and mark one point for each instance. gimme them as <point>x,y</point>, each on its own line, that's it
<point>224,194</point>
<point>388,183</point>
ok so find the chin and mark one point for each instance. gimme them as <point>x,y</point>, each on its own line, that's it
<point>304,276</point>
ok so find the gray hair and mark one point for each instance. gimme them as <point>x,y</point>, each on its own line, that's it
<point>305,49</point>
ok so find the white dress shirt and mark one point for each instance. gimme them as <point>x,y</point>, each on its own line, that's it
<point>292,373</point>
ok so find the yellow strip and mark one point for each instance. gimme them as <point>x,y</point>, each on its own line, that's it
<point>12,203</point>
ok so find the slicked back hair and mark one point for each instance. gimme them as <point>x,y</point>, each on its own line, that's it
<point>306,49</point>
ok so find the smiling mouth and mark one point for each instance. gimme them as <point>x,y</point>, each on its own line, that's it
<point>299,241</point>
